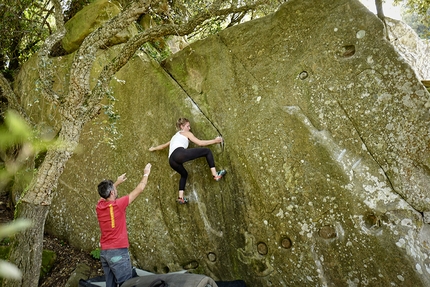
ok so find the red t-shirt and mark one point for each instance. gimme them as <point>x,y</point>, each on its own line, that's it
<point>111,216</point>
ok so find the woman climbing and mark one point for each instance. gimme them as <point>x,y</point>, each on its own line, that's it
<point>179,154</point>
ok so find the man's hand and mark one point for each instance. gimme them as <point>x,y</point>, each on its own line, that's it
<point>120,179</point>
<point>142,184</point>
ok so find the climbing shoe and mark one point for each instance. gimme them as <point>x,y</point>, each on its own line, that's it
<point>220,174</point>
<point>182,200</point>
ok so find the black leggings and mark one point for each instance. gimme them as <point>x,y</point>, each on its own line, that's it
<point>181,155</point>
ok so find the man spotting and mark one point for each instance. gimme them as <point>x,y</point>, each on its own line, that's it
<point>111,214</point>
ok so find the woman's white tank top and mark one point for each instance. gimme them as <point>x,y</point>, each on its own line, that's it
<point>177,140</point>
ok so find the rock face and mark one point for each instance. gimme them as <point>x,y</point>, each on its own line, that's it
<point>89,19</point>
<point>326,131</point>
<point>414,49</point>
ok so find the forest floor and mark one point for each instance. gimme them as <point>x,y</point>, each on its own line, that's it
<point>68,257</point>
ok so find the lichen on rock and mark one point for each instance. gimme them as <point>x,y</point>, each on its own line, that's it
<point>326,146</point>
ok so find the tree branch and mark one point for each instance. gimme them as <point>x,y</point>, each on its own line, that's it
<point>12,99</point>
<point>59,19</point>
<point>379,10</point>
<point>44,64</point>
<point>79,87</point>
<point>137,41</point>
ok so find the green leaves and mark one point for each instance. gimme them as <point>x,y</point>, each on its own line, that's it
<point>95,253</point>
<point>15,130</point>
<point>18,146</point>
<point>416,13</point>
<point>24,25</point>
<point>8,270</point>
<point>7,230</point>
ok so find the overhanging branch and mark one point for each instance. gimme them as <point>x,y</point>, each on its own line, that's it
<point>80,95</point>
<point>137,41</point>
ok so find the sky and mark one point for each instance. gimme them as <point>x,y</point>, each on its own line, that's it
<point>389,10</point>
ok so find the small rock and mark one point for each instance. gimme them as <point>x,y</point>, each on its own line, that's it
<point>82,271</point>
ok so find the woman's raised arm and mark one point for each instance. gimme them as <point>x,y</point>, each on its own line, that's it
<point>200,142</point>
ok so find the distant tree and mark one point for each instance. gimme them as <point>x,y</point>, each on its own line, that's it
<point>74,7</point>
<point>416,13</point>
<point>419,6</point>
<point>23,26</point>
<point>420,24</point>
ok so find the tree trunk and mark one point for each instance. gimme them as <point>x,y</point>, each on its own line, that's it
<point>27,247</point>
<point>380,14</point>
<point>379,9</point>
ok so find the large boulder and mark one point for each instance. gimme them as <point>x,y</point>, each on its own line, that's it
<point>90,18</point>
<point>326,132</point>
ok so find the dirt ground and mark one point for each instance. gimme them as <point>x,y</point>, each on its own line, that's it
<point>67,260</point>
<point>67,256</point>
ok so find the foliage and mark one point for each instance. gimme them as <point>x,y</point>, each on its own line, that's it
<point>48,259</point>
<point>74,7</point>
<point>418,6</point>
<point>156,52</point>
<point>14,132</point>
<point>181,11</point>
<point>95,253</point>
<point>17,143</point>
<point>416,13</point>
<point>24,25</point>
<point>14,136</point>
<point>419,23</point>
<point>8,270</point>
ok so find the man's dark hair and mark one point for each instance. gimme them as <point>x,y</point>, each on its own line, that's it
<point>105,187</point>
